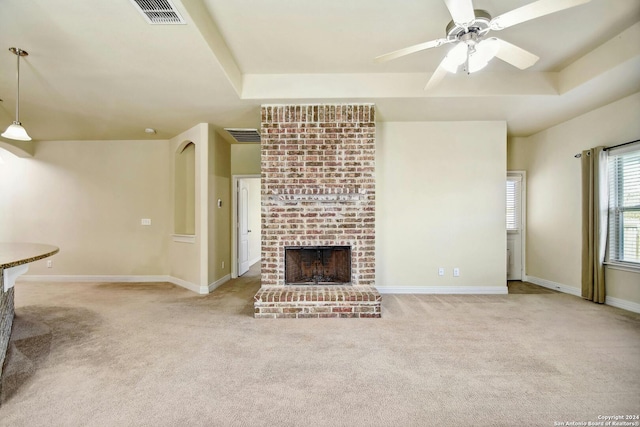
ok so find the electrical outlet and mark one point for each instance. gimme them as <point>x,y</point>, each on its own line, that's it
<point>49,263</point>
<point>223,265</point>
<point>456,272</point>
<point>145,221</point>
<point>441,271</point>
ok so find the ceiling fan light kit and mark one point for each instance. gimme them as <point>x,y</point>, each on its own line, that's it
<point>476,57</point>
<point>484,52</point>
<point>15,130</point>
<point>455,58</point>
<point>469,29</point>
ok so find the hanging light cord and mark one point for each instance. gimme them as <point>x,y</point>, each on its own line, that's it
<point>18,53</point>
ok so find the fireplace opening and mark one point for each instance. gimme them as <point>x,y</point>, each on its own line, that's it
<point>317,265</point>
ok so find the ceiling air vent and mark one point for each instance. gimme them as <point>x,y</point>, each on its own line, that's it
<point>159,11</point>
<point>244,135</point>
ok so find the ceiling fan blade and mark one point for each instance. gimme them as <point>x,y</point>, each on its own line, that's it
<point>515,55</point>
<point>411,49</point>
<point>531,11</point>
<point>461,10</point>
<point>437,76</point>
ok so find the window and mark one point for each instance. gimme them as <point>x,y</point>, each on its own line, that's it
<point>513,202</point>
<point>624,204</point>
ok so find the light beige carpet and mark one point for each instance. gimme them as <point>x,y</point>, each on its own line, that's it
<point>519,287</point>
<point>158,355</point>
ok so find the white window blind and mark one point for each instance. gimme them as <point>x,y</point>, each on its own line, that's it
<point>513,202</point>
<point>624,204</point>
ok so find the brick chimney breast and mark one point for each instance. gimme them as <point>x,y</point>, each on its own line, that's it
<point>318,187</point>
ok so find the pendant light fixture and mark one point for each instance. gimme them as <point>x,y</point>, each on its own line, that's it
<point>15,130</point>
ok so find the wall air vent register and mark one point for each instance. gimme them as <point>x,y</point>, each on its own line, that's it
<point>244,135</point>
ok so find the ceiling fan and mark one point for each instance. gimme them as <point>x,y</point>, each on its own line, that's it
<point>473,48</point>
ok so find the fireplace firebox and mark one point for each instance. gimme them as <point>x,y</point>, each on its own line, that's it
<point>317,265</point>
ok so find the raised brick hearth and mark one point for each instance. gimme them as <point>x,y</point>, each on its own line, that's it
<point>318,191</point>
<point>316,301</point>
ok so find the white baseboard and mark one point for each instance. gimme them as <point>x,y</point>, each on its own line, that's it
<point>202,290</point>
<point>554,285</point>
<point>94,278</point>
<point>623,304</point>
<point>253,261</point>
<point>219,282</point>
<point>612,301</point>
<point>471,290</point>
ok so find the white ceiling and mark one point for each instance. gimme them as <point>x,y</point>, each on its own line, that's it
<point>97,70</point>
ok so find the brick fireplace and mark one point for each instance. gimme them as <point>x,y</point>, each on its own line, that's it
<point>318,212</point>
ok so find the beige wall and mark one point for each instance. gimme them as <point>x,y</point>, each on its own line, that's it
<point>219,175</point>
<point>185,189</point>
<point>553,192</point>
<point>187,261</point>
<point>440,202</point>
<point>245,159</point>
<point>88,198</point>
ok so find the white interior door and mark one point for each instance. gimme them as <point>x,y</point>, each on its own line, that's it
<point>243,227</point>
<point>514,256</point>
<point>255,221</point>
<point>515,225</point>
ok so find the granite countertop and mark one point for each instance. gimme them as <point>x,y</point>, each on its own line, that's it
<point>14,254</point>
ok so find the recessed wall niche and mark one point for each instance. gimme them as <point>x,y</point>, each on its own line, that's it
<point>185,189</point>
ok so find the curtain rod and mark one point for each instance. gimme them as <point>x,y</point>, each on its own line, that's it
<point>577,156</point>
